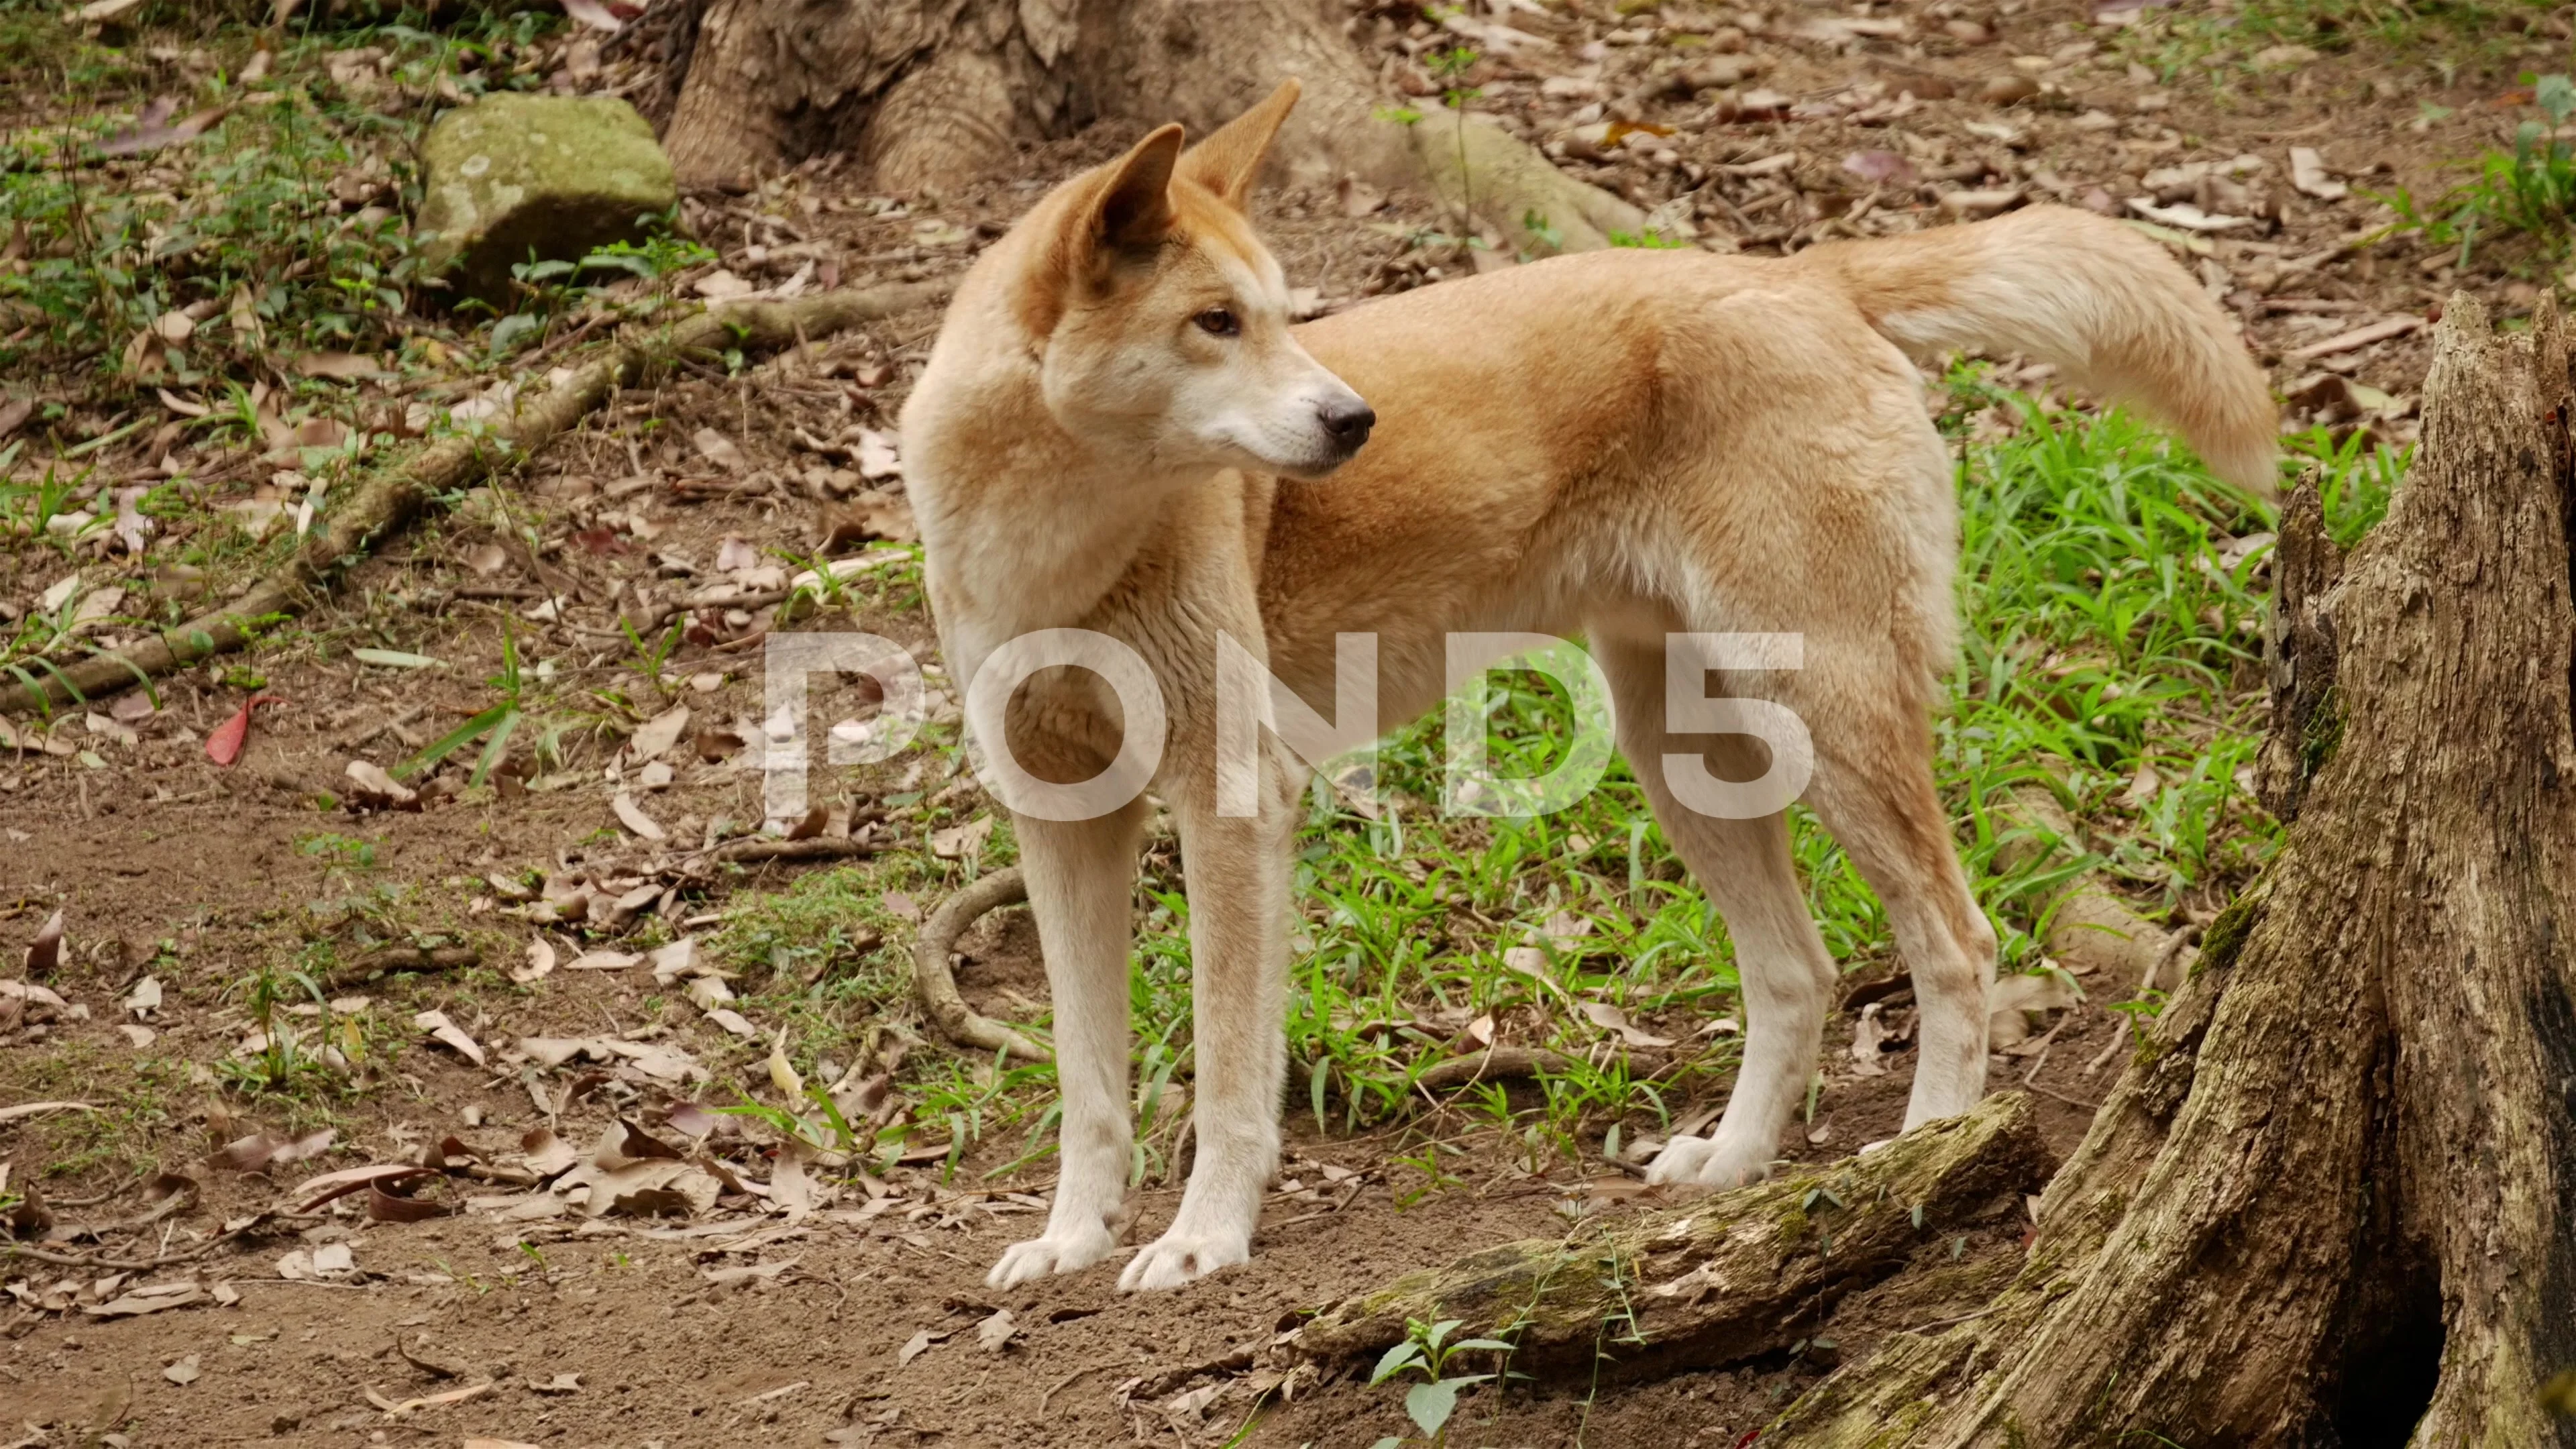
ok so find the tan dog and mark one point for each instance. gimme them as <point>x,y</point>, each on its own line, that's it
<point>1120,432</point>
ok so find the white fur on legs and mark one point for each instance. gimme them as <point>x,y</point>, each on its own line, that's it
<point>1239,1006</point>
<point>1080,875</point>
<point>1744,868</point>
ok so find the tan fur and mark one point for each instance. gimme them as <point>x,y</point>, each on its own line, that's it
<point>1621,445</point>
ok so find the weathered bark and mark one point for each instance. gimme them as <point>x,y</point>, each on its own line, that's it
<point>2333,1200</point>
<point>931,92</point>
<point>1722,1280</point>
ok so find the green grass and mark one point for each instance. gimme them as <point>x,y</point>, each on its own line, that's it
<point>2221,42</point>
<point>2106,629</point>
<point>2526,195</point>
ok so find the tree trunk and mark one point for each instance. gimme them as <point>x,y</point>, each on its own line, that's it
<point>930,92</point>
<point>2333,1200</point>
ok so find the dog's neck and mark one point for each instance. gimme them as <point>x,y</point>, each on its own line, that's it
<point>1030,526</point>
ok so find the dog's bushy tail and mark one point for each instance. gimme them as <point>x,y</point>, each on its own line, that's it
<point>2098,299</point>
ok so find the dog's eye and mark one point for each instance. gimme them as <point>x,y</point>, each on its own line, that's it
<point>1219,322</point>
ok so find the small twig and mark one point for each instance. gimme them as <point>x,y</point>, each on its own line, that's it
<point>2062,1097</point>
<point>1068,1381</point>
<point>820,848</point>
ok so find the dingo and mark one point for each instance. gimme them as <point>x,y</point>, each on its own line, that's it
<point>1120,432</point>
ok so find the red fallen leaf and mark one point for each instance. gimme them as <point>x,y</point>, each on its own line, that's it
<point>603,541</point>
<point>225,745</point>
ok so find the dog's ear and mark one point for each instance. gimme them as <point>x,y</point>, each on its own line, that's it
<point>1132,209</point>
<point>1120,210</point>
<point>1228,160</point>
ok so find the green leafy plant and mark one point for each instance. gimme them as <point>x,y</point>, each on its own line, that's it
<point>2530,189</point>
<point>825,1131</point>
<point>281,1066</point>
<point>1426,1353</point>
<point>494,726</point>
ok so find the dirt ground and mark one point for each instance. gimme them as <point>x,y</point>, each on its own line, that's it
<point>858,1314</point>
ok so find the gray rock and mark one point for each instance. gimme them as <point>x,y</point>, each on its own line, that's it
<point>553,175</point>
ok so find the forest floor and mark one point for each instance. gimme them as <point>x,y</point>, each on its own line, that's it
<point>554,963</point>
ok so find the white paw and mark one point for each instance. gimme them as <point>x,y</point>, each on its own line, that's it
<point>1709,1162</point>
<point>1175,1259</point>
<point>1057,1252</point>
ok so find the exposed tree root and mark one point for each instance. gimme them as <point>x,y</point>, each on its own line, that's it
<point>1727,1278</point>
<point>936,986</point>
<point>2089,925</point>
<point>1512,186</point>
<point>391,499</point>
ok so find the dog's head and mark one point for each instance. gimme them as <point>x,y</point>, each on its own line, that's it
<point>1162,321</point>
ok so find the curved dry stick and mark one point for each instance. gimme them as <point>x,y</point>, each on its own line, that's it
<point>936,985</point>
<point>1494,1064</point>
<point>393,498</point>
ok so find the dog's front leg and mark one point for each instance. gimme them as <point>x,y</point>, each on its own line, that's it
<point>1238,887</point>
<point>1081,878</point>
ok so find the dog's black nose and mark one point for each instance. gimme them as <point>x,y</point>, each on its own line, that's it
<point>1348,422</point>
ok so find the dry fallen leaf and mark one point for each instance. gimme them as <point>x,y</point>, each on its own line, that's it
<point>154,129</point>
<point>338,366</point>
<point>636,820</point>
<point>1867,1033</point>
<point>184,1372</point>
<point>438,1026</point>
<point>541,962</point>
<point>961,841</point>
<point>1610,1018</point>
<point>2308,173</point>
<point>919,1344</point>
<point>782,1072</point>
<point>46,951</point>
<point>1880,168</point>
<point>373,786</point>
<point>996,1331</point>
<point>601,961</point>
<point>655,737</point>
<point>718,449</point>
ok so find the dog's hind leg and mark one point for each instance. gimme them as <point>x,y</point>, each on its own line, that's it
<point>1873,789</point>
<point>1744,868</point>
<point>1081,878</point>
